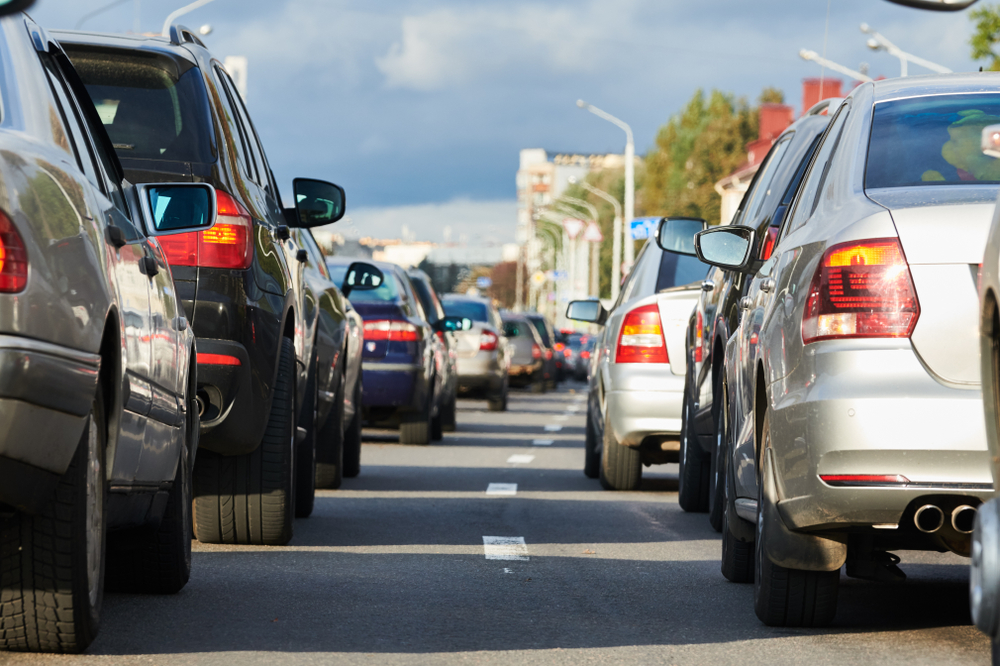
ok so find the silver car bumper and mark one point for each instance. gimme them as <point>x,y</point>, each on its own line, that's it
<point>643,400</point>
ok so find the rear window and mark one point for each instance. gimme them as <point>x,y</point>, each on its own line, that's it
<point>932,140</point>
<point>677,270</point>
<point>466,310</point>
<point>542,330</point>
<point>515,328</point>
<point>152,107</point>
<point>386,292</point>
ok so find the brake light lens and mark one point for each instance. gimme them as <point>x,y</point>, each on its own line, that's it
<point>568,353</point>
<point>699,336</point>
<point>218,359</point>
<point>861,290</point>
<point>13,258</point>
<point>488,341</point>
<point>560,346</point>
<point>585,354</point>
<point>641,337</point>
<point>548,354</point>
<point>863,479</point>
<point>769,241</point>
<point>228,244</point>
<point>536,352</point>
<point>391,330</point>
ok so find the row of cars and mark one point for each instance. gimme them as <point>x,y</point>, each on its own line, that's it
<point>820,385</point>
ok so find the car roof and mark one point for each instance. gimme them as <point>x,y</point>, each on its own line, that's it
<point>154,43</point>
<point>936,84</point>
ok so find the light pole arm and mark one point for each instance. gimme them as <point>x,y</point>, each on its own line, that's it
<point>607,116</point>
<point>806,54</point>
<point>177,13</point>
<point>602,194</point>
<point>582,204</point>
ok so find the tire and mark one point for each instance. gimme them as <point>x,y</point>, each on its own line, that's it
<point>52,565</point>
<point>157,560</point>
<point>538,383</point>
<point>499,403</point>
<point>737,555</point>
<point>591,459</point>
<point>621,466</point>
<point>788,597</point>
<point>437,426</point>
<point>330,445</point>
<point>717,478</point>
<point>352,438</point>
<point>416,428</point>
<point>250,499</point>
<point>693,472</point>
<point>305,451</point>
<point>449,420</point>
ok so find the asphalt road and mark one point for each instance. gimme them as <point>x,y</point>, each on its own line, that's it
<point>392,569</point>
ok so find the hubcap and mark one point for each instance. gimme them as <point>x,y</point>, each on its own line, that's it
<point>95,512</point>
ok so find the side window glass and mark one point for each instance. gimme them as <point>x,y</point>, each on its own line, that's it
<point>82,153</point>
<point>229,107</point>
<point>767,172</point>
<point>257,153</point>
<point>805,202</point>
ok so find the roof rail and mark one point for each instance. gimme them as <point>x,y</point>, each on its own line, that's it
<point>180,34</point>
<point>824,105</point>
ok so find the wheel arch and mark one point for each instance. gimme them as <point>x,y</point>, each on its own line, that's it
<point>111,382</point>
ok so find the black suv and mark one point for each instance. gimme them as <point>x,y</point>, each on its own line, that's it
<point>174,115</point>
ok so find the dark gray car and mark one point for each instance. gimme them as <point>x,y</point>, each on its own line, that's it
<point>527,360</point>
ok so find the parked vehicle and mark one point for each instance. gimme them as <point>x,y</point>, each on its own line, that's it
<point>526,360</point>
<point>483,354</point>
<point>445,353</point>
<point>578,349</point>
<point>174,114</point>
<point>398,359</point>
<point>718,311</point>
<point>559,353</point>
<point>552,366</point>
<point>853,406</point>
<point>97,361</point>
<point>636,385</point>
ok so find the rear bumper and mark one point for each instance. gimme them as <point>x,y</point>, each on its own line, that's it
<point>398,385</point>
<point>480,373</point>
<point>644,400</point>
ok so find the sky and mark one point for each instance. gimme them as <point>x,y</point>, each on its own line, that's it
<point>420,108</point>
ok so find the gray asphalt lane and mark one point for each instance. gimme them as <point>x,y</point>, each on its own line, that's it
<point>391,570</point>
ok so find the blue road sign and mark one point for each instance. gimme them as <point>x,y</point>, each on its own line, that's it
<point>642,228</point>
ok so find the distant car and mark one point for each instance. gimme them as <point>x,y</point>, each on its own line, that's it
<point>552,366</point>
<point>636,386</point>
<point>526,352</point>
<point>399,370</point>
<point>483,355</point>
<point>578,349</point>
<point>446,355</point>
<point>559,352</point>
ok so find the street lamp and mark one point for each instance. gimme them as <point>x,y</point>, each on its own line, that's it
<point>880,43</point>
<point>629,176</point>
<point>616,236</point>
<point>177,13</point>
<point>806,54</point>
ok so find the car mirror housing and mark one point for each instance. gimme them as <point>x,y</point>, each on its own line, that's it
<point>177,208</point>
<point>728,247</point>
<point>13,6</point>
<point>676,234</point>
<point>936,5</point>
<point>317,202</point>
<point>590,311</point>
<point>361,276</point>
<point>448,324</point>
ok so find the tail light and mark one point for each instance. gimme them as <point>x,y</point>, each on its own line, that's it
<point>488,341</point>
<point>536,352</point>
<point>769,240</point>
<point>585,354</point>
<point>861,290</point>
<point>392,330</point>
<point>560,346</point>
<point>228,244</point>
<point>440,335</point>
<point>218,359</point>
<point>568,353</point>
<point>699,337</point>
<point>13,258</point>
<point>641,337</point>
<point>548,354</point>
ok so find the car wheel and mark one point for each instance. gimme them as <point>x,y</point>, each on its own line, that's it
<point>737,554</point>
<point>538,383</point>
<point>592,458</point>
<point>330,445</point>
<point>693,472</point>
<point>786,597</point>
<point>449,421</point>
<point>499,403</point>
<point>717,478</point>
<point>149,560</point>
<point>49,608</point>
<point>416,428</point>
<point>352,438</point>
<point>250,498</point>
<point>305,452</point>
<point>437,425</point>
<point>621,466</point>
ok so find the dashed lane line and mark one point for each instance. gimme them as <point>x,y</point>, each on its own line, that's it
<point>542,442</point>
<point>501,489</point>
<point>553,427</point>
<point>520,459</point>
<point>505,548</point>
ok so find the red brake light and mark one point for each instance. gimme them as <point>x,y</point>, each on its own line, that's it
<point>699,335</point>
<point>568,353</point>
<point>13,258</point>
<point>391,330</point>
<point>228,244</point>
<point>641,337</point>
<point>861,289</point>
<point>548,354</point>
<point>218,359</point>
<point>768,248</point>
<point>560,346</point>
<point>863,479</point>
<point>536,352</point>
<point>487,341</point>
<point>585,354</point>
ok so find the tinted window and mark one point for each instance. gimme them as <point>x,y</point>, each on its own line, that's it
<point>467,310</point>
<point>542,330</point>
<point>151,108</point>
<point>932,141</point>
<point>387,291</point>
<point>763,185</point>
<point>678,269</point>
<point>809,193</point>
<point>515,329</point>
<point>427,299</point>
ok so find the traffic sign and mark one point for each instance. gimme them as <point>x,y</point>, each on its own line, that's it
<point>593,233</point>
<point>642,228</point>
<point>560,275</point>
<point>573,227</point>
<point>484,282</point>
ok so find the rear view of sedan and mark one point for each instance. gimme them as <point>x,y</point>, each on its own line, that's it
<point>483,355</point>
<point>526,353</point>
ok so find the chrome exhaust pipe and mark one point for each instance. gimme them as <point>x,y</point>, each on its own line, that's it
<point>963,519</point>
<point>929,518</point>
<point>201,405</point>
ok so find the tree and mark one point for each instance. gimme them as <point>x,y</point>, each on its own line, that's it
<point>504,287</point>
<point>986,35</point>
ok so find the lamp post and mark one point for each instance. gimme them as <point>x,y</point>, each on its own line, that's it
<point>616,235</point>
<point>177,13</point>
<point>806,54</point>
<point>629,177</point>
<point>880,43</point>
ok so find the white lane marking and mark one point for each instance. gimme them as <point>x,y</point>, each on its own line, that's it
<point>562,417</point>
<point>505,548</point>
<point>542,442</point>
<point>573,408</point>
<point>506,570</point>
<point>501,489</point>
<point>580,397</point>
<point>520,459</point>
<point>553,427</point>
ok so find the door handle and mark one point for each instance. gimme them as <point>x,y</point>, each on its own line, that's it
<point>302,256</point>
<point>707,285</point>
<point>767,284</point>
<point>745,303</point>
<point>148,266</point>
<point>282,232</point>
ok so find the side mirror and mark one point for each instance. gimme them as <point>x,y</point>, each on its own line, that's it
<point>728,247</point>
<point>317,202</point>
<point>12,6</point>
<point>510,330</point>
<point>448,324</point>
<point>676,234</point>
<point>588,311</point>
<point>990,142</point>
<point>362,277</point>
<point>936,5</point>
<point>177,208</point>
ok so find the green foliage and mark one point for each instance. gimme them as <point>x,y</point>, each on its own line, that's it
<point>771,96</point>
<point>986,35</point>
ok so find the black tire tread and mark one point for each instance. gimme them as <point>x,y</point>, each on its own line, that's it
<point>621,466</point>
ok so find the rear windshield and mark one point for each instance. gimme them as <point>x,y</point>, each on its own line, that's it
<point>542,330</point>
<point>466,310</point>
<point>515,328</point>
<point>677,270</point>
<point>152,107</point>
<point>387,292</point>
<point>932,140</point>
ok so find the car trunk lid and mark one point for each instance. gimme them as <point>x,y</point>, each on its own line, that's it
<point>675,308</point>
<point>372,314</point>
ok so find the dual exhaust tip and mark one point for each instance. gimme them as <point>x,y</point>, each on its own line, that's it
<point>930,518</point>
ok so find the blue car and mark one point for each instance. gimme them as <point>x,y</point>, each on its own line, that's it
<point>399,382</point>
